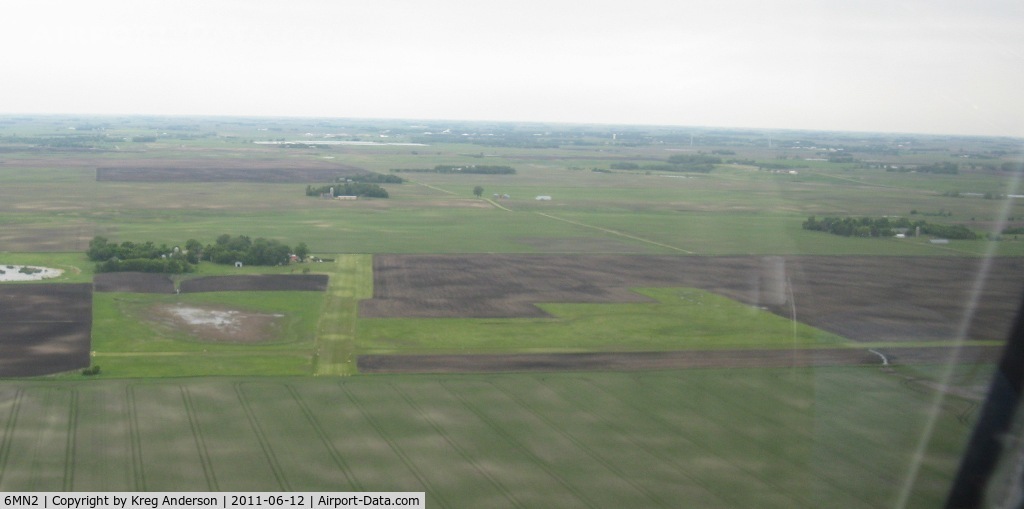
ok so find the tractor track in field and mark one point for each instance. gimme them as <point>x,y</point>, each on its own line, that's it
<point>69,444</point>
<point>5,445</point>
<point>135,440</point>
<point>519,446</point>
<point>585,448</point>
<point>336,457</point>
<point>197,433</point>
<point>628,435</point>
<point>670,429</point>
<point>824,445</point>
<point>754,444</point>
<point>428,487</point>
<point>261,437</point>
<point>454,445</point>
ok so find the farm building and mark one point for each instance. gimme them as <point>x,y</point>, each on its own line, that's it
<point>543,198</point>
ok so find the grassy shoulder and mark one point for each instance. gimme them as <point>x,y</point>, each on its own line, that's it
<point>678,319</point>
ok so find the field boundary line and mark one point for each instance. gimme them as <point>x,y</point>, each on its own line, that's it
<point>429,488</point>
<point>585,448</point>
<point>466,457</point>
<point>134,440</point>
<point>336,457</point>
<point>197,433</point>
<point>615,232</point>
<point>428,186</point>
<point>515,443</point>
<point>69,443</point>
<point>5,445</point>
<point>496,204</point>
<point>261,437</point>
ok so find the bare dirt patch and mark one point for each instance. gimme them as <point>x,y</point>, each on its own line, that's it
<point>45,328</point>
<point>134,282</point>
<point>217,324</point>
<point>256,283</point>
<point>862,298</point>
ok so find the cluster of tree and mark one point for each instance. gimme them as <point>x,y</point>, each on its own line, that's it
<point>885,227</point>
<point>349,189</point>
<point>261,251</point>
<point>942,168</point>
<point>148,257</point>
<point>1015,230</point>
<point>688,168</point>
<point>101,250</point>
<point>477,169</point>
<point>373,178</point>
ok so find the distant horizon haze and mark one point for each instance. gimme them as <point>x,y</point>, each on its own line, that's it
<point>923,67</point>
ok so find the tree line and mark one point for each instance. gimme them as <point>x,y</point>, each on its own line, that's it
<point>885,227</point>
<point>373,178</point>
<point>148,257</point>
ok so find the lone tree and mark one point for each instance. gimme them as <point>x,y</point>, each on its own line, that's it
<point>478,191</point>
<point>301,251</point>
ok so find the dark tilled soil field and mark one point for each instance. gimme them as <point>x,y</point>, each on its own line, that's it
<point>862,298</point>
<point>46,328</point>
<point>246,173</point>
<point>135,282</point>
<point>257,283</point>
<point>663,360</point>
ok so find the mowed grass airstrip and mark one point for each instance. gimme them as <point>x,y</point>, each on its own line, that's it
<point>170,412</point>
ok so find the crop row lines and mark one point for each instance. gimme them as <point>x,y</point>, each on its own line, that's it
<point>197,433</point>
<point>12,420</point>
<point>428,486</point>
<point>509,495</point>
<point>628,435</point>
<point>261,437</point>
<point>671,429</point>
<point>522,448</point>
<point>336,457</point>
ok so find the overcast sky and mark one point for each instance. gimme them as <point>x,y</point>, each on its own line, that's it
<point>928,66</point>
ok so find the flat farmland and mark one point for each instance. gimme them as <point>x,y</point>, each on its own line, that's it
<point>46,328</point>
<point>245,172</point>
<point>867,299</point>
<point>654,439</point>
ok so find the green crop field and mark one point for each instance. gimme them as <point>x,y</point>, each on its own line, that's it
<point>282,406</point>
<point>707,438</point>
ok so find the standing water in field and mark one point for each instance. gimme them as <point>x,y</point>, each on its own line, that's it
<point>27,273</point>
